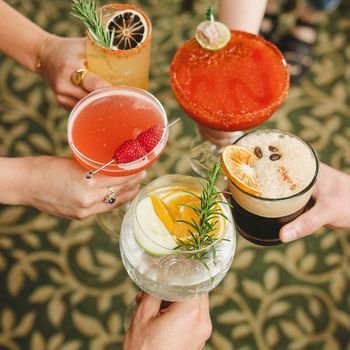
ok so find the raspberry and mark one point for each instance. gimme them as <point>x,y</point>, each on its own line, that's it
<point>129,151</point>
<point>150,138</point>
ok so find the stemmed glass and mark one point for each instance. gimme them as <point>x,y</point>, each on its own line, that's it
<point>165,271</point>
<point>103,120</point>
<point>229,90</point>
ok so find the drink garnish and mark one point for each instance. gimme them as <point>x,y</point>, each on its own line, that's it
<point>130,29</point>
<point>212,35</point>
<point>133,149</point>
<point>129,151</point>
<point>86,11</point>
<point>162,212</point>
<point>238,166</point>
<point>150,138</point>
<point>206,229</point>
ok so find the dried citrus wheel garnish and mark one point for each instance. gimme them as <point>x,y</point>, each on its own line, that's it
<point>238,165</point>
<point>130,29</point>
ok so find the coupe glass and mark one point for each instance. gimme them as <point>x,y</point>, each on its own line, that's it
<point>97,137</point>
<point>230,90</point>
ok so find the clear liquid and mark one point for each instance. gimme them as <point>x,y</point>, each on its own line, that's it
<point>174,277</point>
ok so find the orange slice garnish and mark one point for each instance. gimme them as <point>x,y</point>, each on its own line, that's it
<point>162,212</point>
<point>238,166</point>
<point>173,208</point>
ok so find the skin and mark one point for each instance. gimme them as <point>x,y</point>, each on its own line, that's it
<point>332,207</point>
<point>54,185</point>
<point>181,326</point>
<point>57,186</point>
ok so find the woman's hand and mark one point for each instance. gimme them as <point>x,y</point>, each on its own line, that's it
<point>332,206</point>
<point>181,326</point>
<point>58,186</point>
<point>60,57</point>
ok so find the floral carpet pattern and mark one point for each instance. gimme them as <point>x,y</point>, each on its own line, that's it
<point>62,283</point>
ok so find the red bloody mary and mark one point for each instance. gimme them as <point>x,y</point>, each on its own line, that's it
<point>234,88</point>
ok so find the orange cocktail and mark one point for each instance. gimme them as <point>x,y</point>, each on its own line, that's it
<point>234,88</point>
<point>105,119</point>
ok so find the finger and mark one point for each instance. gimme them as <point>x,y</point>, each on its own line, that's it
<point>76,92</point>
<point>101,181</point>
<point>67,102</point>
<point>118,190</point>
<point>305,224</point>
<point>204,305</point>
<point>149,307</point>
<point>122,198</point>
<point>93,82</point>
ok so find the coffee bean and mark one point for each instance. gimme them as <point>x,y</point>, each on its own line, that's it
<point>273,149</point>
<point>275,156</point>
<point>258,152</point>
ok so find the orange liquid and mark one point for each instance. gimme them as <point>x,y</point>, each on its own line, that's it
<point>107,122</point>
<point>235,88</point>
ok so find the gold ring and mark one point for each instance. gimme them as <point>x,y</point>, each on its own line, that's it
<point>78,76</point>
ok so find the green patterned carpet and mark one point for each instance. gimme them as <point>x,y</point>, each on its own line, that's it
<point>62,284</point>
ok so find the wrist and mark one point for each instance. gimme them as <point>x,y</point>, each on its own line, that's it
<point>14,180</point>
<point>40,52</point>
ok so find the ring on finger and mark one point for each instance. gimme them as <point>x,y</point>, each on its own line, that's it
<point>78,76</point>
<point>110,197</point>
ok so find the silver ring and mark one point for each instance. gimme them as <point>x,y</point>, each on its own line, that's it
<point>110,197</point>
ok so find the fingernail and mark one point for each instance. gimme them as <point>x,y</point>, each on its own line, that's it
<point>289,234</point>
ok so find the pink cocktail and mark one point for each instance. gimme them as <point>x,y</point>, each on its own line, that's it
<point>105,119</point>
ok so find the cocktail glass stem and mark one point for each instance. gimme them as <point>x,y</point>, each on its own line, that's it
<point>208,146</point>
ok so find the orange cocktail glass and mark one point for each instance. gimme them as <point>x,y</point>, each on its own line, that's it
<point>106,118</point>
<point>118,66</point>
<point>235,88</point>
<point>232,89</point>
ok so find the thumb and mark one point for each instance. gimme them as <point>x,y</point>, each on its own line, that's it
<point>149,306</point>
<point>93,82</point>
<point>304,225</point>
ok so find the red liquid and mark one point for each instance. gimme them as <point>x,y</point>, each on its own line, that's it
<point>107,122</point>
<point>235,88</point>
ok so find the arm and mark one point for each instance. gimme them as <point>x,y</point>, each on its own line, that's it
<point>57,186</point>
<point>59,57</point>
<point>332,206</point>
<point>181,326</point>
<point>20,38</point>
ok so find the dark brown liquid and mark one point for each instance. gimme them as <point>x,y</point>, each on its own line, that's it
<point>261,230</point>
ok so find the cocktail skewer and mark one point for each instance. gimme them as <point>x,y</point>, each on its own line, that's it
<point>89,174</point>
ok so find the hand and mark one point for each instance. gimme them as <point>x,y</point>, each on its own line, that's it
<point>58,186</point>
<point>181,326</point>
<point>218,137</point>
<point>60,58</point>
<point>332,206</point>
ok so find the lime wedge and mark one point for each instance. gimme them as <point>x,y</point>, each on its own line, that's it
<point>212,35</point>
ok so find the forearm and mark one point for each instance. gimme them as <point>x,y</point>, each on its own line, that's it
<point>20,38</point>
<point>14,172</point>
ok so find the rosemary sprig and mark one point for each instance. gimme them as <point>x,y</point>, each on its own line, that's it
<point>86,11</point>
<point>209,213</point>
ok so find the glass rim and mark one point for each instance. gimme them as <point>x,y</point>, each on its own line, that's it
<point>123,53</point>
<point>297,194</point>
<point>200,113</point>
<point>105,92</point>
<point>147,189</point>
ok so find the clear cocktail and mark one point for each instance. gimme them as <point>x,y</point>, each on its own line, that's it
<point>156,246</point>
